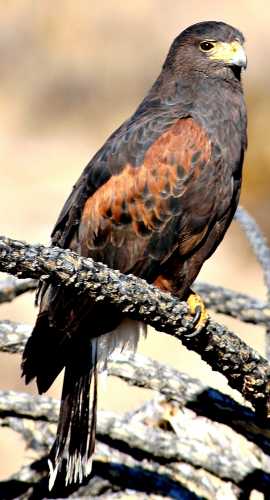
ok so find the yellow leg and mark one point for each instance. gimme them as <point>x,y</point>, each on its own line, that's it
<point>198,312</point>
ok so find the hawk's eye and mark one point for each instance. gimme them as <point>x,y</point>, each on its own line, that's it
<point>206,46</point>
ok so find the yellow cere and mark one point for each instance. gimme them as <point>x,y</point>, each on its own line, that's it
<point>231,53</point>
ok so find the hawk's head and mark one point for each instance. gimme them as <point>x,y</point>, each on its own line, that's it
<point>209,47</point>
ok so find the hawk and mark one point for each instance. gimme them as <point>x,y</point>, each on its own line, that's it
<point>155,201</point>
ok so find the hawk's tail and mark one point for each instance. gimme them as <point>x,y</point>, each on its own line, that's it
<point>75,441</point>
<point>47,352</point>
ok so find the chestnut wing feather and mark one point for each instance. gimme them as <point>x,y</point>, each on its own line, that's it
<point>132,221</point>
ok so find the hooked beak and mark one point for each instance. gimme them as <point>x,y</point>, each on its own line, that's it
<point>232,53</point>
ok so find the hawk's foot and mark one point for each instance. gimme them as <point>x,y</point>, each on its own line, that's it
<point>198,314</point>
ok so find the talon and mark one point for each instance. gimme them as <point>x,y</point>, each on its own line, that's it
<point>198,314</point>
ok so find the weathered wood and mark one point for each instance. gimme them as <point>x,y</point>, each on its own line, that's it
<point>257,242</point>
<point>220,299</point>
<point>191,441</point>
<point>234,304</point>
<point>10,288</point>
<point>13,336</point>
<point>140,466</point>
<point>244,368</point>
<point>232,455</point>
<point>261,249</point>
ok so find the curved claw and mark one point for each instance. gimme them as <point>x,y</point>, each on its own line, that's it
<point>198,315</point>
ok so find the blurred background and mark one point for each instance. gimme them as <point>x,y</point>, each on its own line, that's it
<point>70,73</point>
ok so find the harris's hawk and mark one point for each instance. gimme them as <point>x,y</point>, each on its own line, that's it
<point>155,201</point>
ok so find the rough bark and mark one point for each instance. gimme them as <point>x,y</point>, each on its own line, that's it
<point>190,441</point>
<point>261,249</point>
<point>244,368</point>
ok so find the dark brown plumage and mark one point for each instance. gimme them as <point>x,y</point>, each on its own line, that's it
<point>155,201</point>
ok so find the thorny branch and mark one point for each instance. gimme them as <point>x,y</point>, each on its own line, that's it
<point>163,448</point>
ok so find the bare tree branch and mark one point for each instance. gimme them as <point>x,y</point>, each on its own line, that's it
<point>235,304</point>
<point>174,385</point>
<point>119,467</point>
<point>190,446</point>
<point>10,288</point>
<point>13,336</point>
<point>244,368</point>
<point>260,248</point>
<point>190,441</point>
<point>257,241</point>
<point>232,456</point>
<point>192,393</point>
<point>219,299</point>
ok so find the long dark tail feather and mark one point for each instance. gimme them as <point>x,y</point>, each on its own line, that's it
<point>45,353</point>
<point>61,339</point>
<point>75,441</point>
<point>53,338</point>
